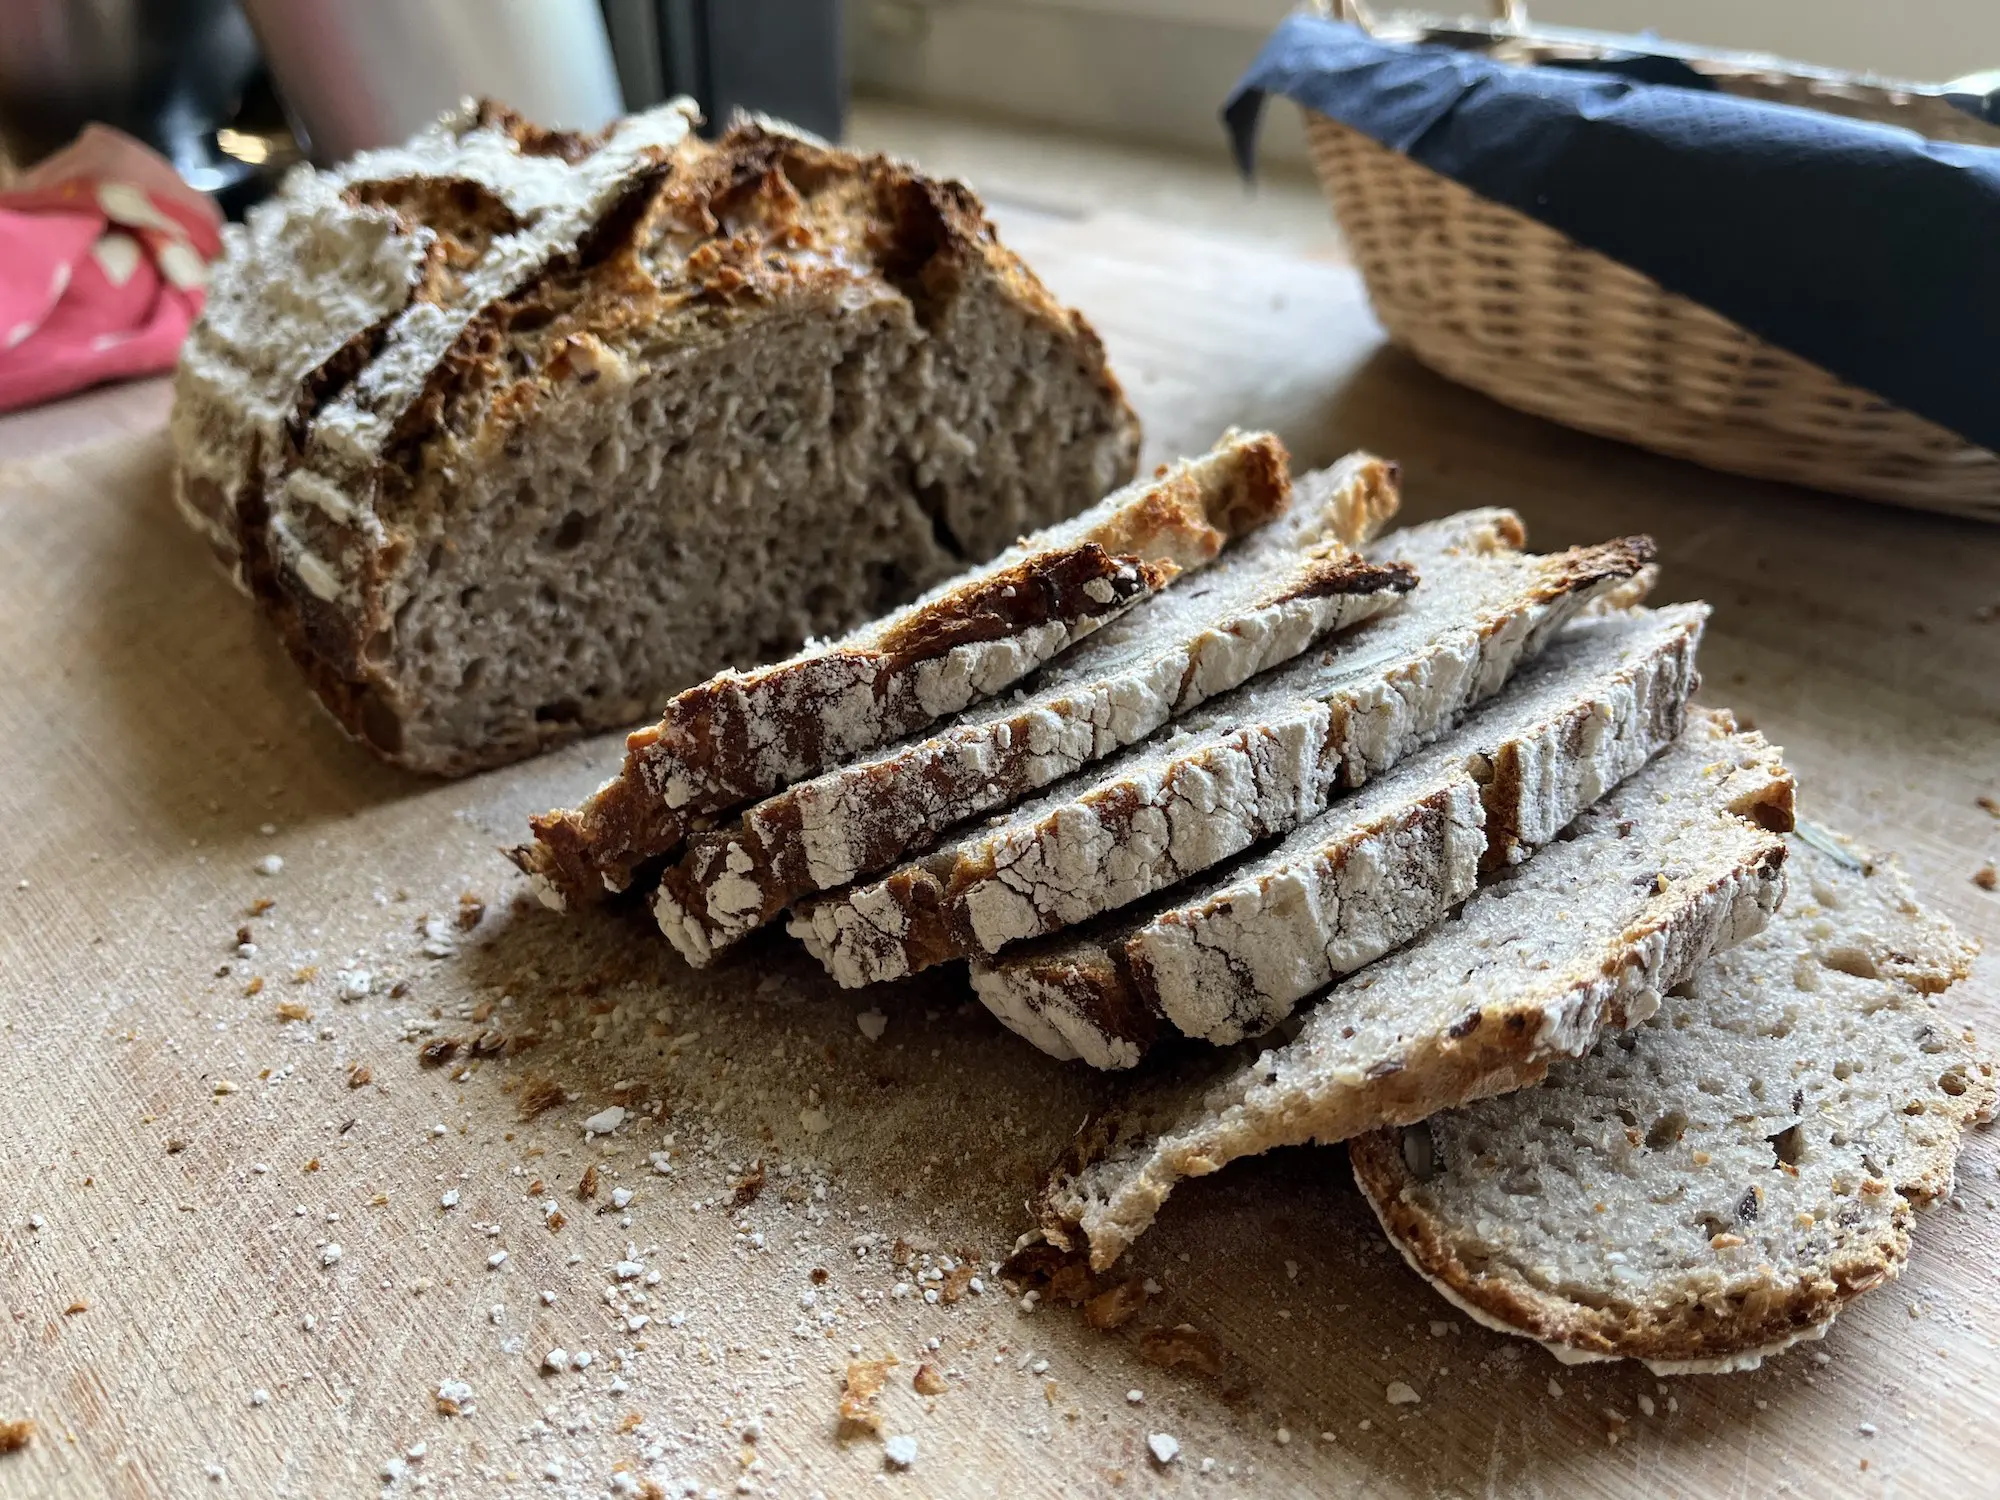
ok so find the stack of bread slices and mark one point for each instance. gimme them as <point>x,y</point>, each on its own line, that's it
<point>1411,841</point>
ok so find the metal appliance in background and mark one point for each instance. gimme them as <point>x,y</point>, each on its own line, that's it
<point>776,57</point>
<point>361,73</point>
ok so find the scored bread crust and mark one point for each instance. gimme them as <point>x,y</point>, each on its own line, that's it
<point>1256,762</point>
<point>386,339</point>
<point>1717,795</point>
<point>741,735</point>
<point>1232,957</point>
<point>1849,913</point>
<point>1269,599</point>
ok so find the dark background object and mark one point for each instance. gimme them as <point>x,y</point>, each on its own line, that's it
<point>166,71</point>
<point>776,57</point>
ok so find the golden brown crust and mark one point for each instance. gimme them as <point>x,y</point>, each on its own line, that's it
<point>700,239</point>
<point>1205,520</point>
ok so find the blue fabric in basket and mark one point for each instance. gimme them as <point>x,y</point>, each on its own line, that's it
<point>1866,249</point>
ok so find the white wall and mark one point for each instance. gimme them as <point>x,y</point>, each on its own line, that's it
<point>1927,40</point>
<point>1157,70</point>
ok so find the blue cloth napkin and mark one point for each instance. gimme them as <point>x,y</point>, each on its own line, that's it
<point>1866,249</point>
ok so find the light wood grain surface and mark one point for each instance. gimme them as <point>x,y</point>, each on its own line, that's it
<point>177,1160</point>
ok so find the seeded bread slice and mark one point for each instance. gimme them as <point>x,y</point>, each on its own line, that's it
<point>1232,957</point>
<point>1721,1181</point>
<point>1256,762</point>
<point>1266,601</point>
<point>741,735</point>
<point>1678,863</point>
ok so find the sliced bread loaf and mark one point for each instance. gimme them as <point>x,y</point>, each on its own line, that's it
<point>742,734</point>
<point>514,432</point>
<point>1256,762</point>
<point>1679,862</point>
<point>1720,1181</point>
<point>1231,957</point>
<point>1267,600</point>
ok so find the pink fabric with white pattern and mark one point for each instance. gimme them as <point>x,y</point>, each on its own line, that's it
<point>104,252</point>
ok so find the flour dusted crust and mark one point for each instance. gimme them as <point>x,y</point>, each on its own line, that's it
<point>1231,958</point>
<point>1267,600</point>
<point>1255,763</point>
<point>741,735</point>
<point>1678,863</point>
<point>335,306</point>
<point>1730,1220</point>
<point>496,340</point>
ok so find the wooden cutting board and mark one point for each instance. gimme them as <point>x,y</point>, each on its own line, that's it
<point>178,1162</point>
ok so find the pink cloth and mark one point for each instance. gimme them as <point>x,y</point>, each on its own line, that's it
<point>104,252</point>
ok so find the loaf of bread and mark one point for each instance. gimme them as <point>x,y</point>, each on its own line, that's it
<point>1718,1183</point>
<point>514,432</point>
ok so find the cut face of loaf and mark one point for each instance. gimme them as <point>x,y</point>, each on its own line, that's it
<point>1719,1182</point>
<point>743,734</point>
<point>1256,762</point>
<point>514,433</point>
<point>1233,956</point>
<point>1267,600</point>
<point>1678,863</point>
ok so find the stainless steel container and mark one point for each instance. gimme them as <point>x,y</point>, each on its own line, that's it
<point>362,73</point>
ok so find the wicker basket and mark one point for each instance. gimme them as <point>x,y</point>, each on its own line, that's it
<point>1501,302</point>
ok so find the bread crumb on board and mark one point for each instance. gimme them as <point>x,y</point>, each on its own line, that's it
<point>16,1435</point>
<point>864,1381</point>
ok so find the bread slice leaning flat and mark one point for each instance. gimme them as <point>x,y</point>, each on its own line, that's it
<point>1256,762</point>
<point>1678,863</point>
<point>1719,1182</point>
<point>515,432</point>
<point>1229,957</point>
<point>1267,599</point>
<point>741,735</point>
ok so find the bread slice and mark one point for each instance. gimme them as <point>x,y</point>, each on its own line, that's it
<point>1231,957</point>
<point>1269,599</point>
<point>743,734</point>
<point>1679,862</point>
<point>1719,1182</point>
<point>1257,762</point>
<point>514,433</point>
